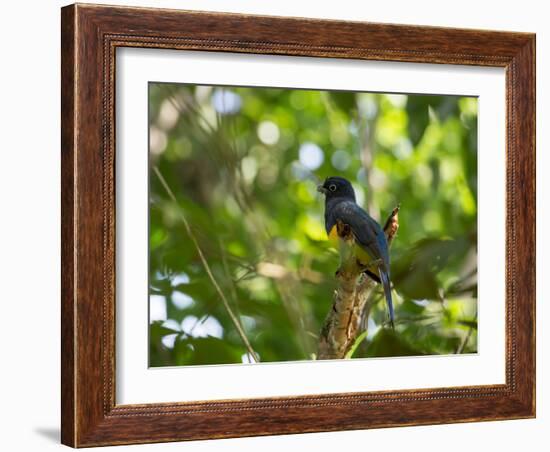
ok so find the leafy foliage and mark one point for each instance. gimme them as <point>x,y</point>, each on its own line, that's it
<point>243,164</point>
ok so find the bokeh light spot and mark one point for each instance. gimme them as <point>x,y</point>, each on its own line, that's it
<point>226,102</point>
<point>207,326</point>
<point>180,278</point>
<point>157,140</point>
<point>181,300</point>
<point>268,132</point>
<point>249,167</point>
<point>157,308</point>
<point>397,100</point>
<point>340,160</point>
<point>169,340</point>
<point>168,115</point>
<point>311,156</point>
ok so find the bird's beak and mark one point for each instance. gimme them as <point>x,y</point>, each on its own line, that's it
<point>321,189</point>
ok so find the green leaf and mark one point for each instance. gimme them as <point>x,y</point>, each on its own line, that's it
<point>206,350</point>
<point>387,343</point>
<point>156,329</point>
<point>356,344</point>
<point>344,100</point>
<point>417,108</point>
<point>416,273</point>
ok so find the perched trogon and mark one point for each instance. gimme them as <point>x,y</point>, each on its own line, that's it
<point>371,246</point>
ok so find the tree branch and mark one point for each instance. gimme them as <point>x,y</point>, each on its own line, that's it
<point>353,298</point>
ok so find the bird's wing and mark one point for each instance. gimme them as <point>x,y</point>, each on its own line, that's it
<point>371,238</point>
<point>367,232</point>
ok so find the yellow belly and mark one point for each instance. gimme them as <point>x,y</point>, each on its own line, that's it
<point>333,235</point>
<point>361,255</point>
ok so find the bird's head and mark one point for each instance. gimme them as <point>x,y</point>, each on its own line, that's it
<point>337,187</point>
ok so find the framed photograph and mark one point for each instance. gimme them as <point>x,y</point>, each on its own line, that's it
<point>281,225</point>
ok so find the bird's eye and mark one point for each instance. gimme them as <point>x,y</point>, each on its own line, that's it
<point>332,187</point>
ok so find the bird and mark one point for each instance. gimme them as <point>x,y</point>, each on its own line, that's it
<point>345,219</point>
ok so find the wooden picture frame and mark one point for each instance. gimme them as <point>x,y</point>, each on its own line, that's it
<point>90,36</point>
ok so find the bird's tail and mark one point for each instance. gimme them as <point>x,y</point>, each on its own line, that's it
<point>385,278</point>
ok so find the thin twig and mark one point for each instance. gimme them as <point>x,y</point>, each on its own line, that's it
<point>464,342</point>
<point>233,317</point>
<point>234,296</point>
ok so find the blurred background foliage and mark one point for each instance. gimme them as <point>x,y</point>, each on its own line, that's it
<point>243,165</point>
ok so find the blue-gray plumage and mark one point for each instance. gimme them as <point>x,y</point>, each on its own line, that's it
<point>341,208</point>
